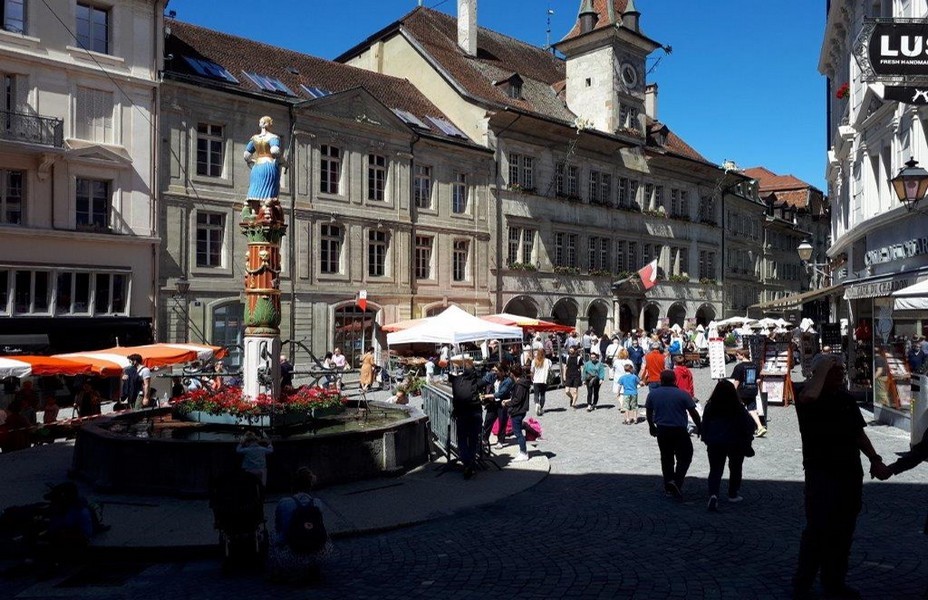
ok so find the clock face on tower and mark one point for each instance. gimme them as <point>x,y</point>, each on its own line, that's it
<point>629,75</point>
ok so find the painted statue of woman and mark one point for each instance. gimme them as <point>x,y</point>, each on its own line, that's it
<point>262,153</point>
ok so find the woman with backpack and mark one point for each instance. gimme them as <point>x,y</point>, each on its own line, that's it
<point>300,539</point>
<point>727,431</point>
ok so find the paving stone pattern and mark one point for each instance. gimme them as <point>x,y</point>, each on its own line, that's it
<point>600,527</point>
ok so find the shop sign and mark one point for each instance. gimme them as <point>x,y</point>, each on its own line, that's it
<point>874,289</point>
<point>907,95</point>
<point>899,251</point>
<point>898,48</point>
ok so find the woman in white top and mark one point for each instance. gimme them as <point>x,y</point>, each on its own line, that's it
<point>618,367</point>
<point>540,368</point>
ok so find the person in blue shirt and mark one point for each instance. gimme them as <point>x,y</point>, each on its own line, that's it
<point>629,383</point>
<point>636,353</point>
<point>501,390</point>
<point>594,372</point>
<point>666,409</point>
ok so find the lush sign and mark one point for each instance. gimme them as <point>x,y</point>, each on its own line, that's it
<point>899,49</point>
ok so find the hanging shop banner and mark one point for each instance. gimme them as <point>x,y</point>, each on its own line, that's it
<point>907,95</point>
<point>890,49</point>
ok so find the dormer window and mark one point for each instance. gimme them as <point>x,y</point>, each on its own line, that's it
<point>512,86</point>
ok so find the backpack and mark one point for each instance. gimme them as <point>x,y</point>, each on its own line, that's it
<point>306,533</point>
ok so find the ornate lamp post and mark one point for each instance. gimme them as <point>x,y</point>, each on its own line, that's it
<point>804,250</point>
<point>910,184</point>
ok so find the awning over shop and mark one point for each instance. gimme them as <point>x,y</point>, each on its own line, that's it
<point>797,300</point>
<point>914,297</point>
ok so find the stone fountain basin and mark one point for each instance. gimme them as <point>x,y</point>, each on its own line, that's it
<point>148,452</point>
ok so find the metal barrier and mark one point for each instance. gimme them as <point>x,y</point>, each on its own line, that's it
<point>436,404</point>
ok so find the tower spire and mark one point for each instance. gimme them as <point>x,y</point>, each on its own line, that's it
<point>631,17</point>
<point>587,16</point>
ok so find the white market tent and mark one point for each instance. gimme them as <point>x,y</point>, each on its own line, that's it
<point>453,326</point>
<point>914,297</point>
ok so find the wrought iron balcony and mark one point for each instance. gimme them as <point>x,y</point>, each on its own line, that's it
<point>31,129</point>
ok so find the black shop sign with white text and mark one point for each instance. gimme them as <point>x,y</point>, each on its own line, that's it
<point>898,49</point>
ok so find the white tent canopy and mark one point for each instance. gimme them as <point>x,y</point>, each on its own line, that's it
<point>914,297</point>
<point>453,326</point>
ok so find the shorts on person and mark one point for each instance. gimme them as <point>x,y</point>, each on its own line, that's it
<point>572,381</point>
<point>628,401</point>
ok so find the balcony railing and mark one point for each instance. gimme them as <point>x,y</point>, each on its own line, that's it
<point>31,129</point>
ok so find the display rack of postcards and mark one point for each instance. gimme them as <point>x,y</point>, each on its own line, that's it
<point>775,373</point>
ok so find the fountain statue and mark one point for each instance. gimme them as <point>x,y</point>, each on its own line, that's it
<point>263,225</point>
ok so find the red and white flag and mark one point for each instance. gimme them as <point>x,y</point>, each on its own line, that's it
<point>362,299</point>
<point>648,274</point>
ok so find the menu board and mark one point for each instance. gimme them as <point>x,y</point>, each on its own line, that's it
<point>717,358</point>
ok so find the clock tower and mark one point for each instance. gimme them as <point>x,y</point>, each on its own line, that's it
<point>606,53</point>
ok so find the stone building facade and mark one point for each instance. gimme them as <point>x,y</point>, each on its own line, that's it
<point>387,196</point>
<point>78,250</point>
<point>590,185</point>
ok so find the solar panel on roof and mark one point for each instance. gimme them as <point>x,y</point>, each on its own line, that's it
<point>409,118</point>
<point>447,127</point>
<point>268,84</point>
<point>208,68</point>
<point>315,92</point>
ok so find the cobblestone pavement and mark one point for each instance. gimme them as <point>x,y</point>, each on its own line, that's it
<point>598,527</point>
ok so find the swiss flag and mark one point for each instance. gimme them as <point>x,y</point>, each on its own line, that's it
<point>648,274</point>
<point>362,300</point>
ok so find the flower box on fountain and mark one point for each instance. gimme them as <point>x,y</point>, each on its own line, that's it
<point>229,406</point>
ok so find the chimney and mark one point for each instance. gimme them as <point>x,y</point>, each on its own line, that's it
<point>650,100</point>
<point>467,26</point>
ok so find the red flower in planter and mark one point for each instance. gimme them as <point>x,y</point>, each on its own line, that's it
<point>843,91</point>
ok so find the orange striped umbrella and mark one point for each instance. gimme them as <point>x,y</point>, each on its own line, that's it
<point>27,365</point>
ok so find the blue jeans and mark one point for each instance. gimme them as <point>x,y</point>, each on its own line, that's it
<point>517,430</point>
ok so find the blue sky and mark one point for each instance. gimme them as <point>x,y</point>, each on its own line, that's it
<point>741,83</point>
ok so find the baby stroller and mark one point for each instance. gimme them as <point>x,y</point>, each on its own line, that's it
<point>237,501</point>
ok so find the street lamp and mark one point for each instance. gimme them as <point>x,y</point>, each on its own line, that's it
<point>182,287</point>
<point>910,184</point>
<point>804,250</point>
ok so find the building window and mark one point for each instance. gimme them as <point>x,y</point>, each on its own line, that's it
<point>32,292</point>
<point>14,15</point>
<point>422,187</point>
<point>459,193</point>
<point>228,319</point>
<point>93,26</point>
<point>330,251</point>
<point>93,203</point>
<point>628,117</point>
<point>11,197</point>
<point>376,177</point>
<point>567,180</point>
<point>521,172</point>
<point>460,256</point>
<point>600,188</point>
<point>211,228</point>
<point>521,249</point>
<point>94,121</point>
<point>424,256</point>
<point>330,167</point>
<point>377,253</point>
<point>209,150</point>
<point>598,253</point>
<point>565,249</point>
<point>4,292</point>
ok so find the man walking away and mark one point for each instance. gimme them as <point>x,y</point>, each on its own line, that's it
<point>744,376</point>
<point>666,409</point>
<point>652,367</point>
<point>466,389</point>
<point>832,431</point>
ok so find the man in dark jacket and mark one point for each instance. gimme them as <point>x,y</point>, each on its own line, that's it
<point>497,391</point>
<point>517,405</point>
<point>666,409</point>
<point>466,389</point>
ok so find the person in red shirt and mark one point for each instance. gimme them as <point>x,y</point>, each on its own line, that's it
<point>652,367</point>
<point>684,376</point>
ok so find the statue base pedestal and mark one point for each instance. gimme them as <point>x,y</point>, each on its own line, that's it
<point>261,366</point>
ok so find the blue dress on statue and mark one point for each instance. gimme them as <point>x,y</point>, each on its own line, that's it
<point>265,173</point>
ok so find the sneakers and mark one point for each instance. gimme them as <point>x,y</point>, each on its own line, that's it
<point>762,431</point>
<point>590,408</point>
<point>539,410</point>
<point>713,505</point>
<point>521,457</point>
<point>735,499</point>
<point>673,490</point>
<point>498,445</point>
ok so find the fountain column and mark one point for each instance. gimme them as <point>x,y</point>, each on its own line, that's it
<point>263,225</point>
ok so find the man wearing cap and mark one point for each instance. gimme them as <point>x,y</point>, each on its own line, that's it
<point>832,431</point>
<point>666,409</point>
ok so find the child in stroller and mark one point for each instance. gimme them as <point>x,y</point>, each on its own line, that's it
<point>237,501</point>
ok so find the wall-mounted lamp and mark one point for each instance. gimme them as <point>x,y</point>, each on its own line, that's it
<point>910,184</point>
